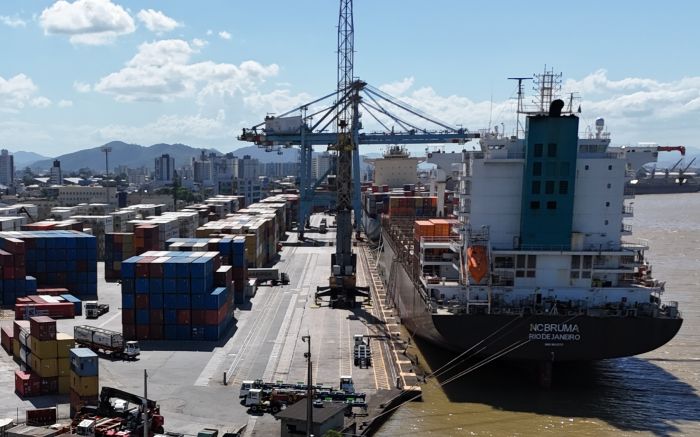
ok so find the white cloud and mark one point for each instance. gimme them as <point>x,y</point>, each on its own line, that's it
<point>199,43</point>
<point>173,128</point>
<point>90,22</point>
<point>210,32</point>
<point>156,21</point>
<point>163,71</point>
<point>398,88</point>
<point>19,92</point>
<point>65,103</point>
<point>81,87</point>
<point>276,101</point>
<point>12,21</point>
<point>224,35</point>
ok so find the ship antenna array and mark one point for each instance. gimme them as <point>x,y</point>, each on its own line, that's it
<point>547,86</point>
<point>521,96</point>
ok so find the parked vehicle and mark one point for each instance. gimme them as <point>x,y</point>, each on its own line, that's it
<point>272,276</point>
<point>107,341</point>
<point>93,309</point>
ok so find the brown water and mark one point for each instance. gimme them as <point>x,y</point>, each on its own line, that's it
<point>653,394</point>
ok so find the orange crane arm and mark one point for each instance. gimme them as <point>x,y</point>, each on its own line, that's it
<point>671,149</point>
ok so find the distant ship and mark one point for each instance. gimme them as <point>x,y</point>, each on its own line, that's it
<point>677,179</point>
<point>536,267</point>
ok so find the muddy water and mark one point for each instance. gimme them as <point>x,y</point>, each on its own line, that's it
<point>653,394</point>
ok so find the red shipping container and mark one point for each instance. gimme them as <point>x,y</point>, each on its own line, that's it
<point>7,336</point>
<point>27,384</point>
<point>211,317</point>
<point>143,332</point>
<point>36,300</point>
<point>19,324</point>
<point>223,276</point>
<point>183,317</point>
<point>198,317</point>
<point>8,273</point>
<point>142,301</point>
<point>128,317</point>
<point>43,327</point>
<point>156,317</point>
<point>129,332</point>
<point>156,332</point>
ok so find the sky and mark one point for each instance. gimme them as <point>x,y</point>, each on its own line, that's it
<point>79,73</point>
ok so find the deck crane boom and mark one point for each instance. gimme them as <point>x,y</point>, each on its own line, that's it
<point>312,127</point>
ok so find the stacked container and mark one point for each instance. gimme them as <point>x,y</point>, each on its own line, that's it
<point>146,237</point>
<point>53,306</point>
<point>65,259</point>
<point>118,247</point>
<point>84,381</point>
<point>43,357</point>
<point>176,296</point>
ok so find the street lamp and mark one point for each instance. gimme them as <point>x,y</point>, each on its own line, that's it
<point>309,387</point>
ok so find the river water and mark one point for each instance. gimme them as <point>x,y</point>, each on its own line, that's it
<point>655,394</point>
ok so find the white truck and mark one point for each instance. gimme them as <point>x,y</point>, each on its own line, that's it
<point>273,276</point>
<point>108,341</point>
<point>93,309</point>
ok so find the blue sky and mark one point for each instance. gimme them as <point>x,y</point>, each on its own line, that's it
<point>79,73</point>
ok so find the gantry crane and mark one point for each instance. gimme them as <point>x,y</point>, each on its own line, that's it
<point>338,126</point>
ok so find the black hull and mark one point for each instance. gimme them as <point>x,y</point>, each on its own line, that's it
<point>664,188</point>
<point>539,336</point>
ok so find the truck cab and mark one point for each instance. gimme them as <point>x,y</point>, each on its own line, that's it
<point>132,349</point>
<point>254,397</point>
<point>346,384</point>
<point>86,428</point>
<point>93,309</point>
<point>246,386</point>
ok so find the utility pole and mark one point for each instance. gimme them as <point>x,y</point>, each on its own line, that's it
<point>145,403</point>
<point>309,388</point>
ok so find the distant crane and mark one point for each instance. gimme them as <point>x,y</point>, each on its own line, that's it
<point>106,150</point>
<point>311,128</point>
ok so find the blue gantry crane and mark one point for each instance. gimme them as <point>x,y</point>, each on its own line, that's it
<point>334,120</point>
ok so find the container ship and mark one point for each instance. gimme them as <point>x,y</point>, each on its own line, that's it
<point>536,265</point>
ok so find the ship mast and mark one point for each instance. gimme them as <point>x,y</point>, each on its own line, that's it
<point>521,95</point>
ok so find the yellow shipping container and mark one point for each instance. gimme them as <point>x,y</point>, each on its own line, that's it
<point>46,368</point>
<point>15,348</point>
<point>63,367</point>
<point>65,343</point>
<point>64,385</point>
<point>43,349</point>
<point>84,385</point>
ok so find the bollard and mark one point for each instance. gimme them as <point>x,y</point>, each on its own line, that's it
<point>225,383</point>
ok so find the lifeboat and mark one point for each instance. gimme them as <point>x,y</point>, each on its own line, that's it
<point>477,262</point>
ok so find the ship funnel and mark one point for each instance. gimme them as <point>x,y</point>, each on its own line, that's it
<point>555,108</point>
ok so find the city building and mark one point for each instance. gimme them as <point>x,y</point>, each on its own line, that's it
<point>75,194</point>
<point>320,164</point>
<point>7,168</point>
<point>165,168</point>
<point>55,174</point>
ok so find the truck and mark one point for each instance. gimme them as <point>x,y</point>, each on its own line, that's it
<point>93,309</point>
<point>271,401</point>
<point>362,352</point>
<point>100,339</point>
<point>271,275</point>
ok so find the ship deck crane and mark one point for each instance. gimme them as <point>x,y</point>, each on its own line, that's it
<point>338,126</point>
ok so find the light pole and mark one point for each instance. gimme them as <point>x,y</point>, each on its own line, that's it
<point>145,403</point>
<point>309,387</point>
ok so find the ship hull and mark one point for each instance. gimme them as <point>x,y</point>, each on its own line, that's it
<point>536,337</point>
<point>664,188</point>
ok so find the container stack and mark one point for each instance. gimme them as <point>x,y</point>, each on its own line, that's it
<point>118,247</point>
<point>84,381</point>
<point>43,355</point>
<point>56,259</point>
<point>54,306</point>
<point>146,237</point>
<point>176,296</point>
<point>58,225</point>
<point>417,206</point>
<point>100,225</point>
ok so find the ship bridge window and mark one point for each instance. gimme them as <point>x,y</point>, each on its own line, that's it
<point>551,150</point>
<point>537,169</point>
<point>538,150</point>
<point>550,169</point>
<point>549,187</point>
<point>563,187</point>
<point>503,262</point>
<point>535,187</point>
<point>551,204</point>
<point>526,265</point>
<point>581,266</point>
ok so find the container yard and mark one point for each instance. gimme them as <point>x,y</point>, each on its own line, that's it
<point>201,327</point>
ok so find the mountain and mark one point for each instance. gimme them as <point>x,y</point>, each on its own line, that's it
<point>130,155</point>
<point>24,159</point>
<point>255,152</point>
